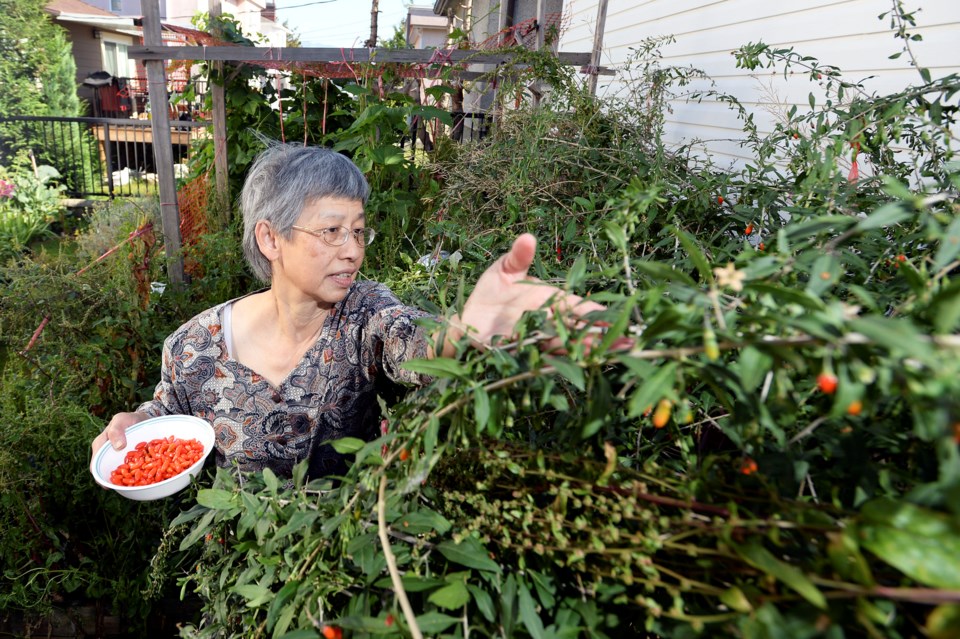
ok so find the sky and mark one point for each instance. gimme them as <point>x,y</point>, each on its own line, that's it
<point>341,23</point>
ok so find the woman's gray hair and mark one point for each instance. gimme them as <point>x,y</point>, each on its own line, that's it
<point>285,178</point>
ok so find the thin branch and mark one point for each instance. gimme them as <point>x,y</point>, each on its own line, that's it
<point>391,560</point>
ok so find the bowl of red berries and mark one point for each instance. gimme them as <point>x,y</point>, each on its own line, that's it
<point>161,456</point>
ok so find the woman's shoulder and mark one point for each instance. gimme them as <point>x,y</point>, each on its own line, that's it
<point>368,298</point>
<point>203,326</point>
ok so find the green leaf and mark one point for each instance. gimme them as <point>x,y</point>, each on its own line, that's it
<point>299,521</point>
<point>662,272</point>
<point>422,521</point>
<point>897,334</point>
<point>566,368</point>
<point>735,599</point>
<point>301,633</point>
<point>277,605</point>
<point>215,498</point>
<point>528,612</point>
<point>255,595</point>
<point>752,367</point>
<point>481,407</point>
<point>616,234</point>
<point>347,445</point>
<point>470,553</point>
<point>432,623</point>
<point>949,246</point>
<point>696,255</point>
<point>945,308</point>
<point>483,600</point>
<point>271,481</point>
<point>450,597</point>
<point>199,530</point>
<point>823,275</point>
<point>653,390</point>
<point>440,367</point>
<point>944,622</point>
<point>921,543</point>
<point>787,295</point>
<point>810,228</point>
<point>761,559</point>
<point>847,560</point>
<point>886,215</point>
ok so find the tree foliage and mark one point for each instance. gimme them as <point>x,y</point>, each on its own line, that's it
<point>37,70</point>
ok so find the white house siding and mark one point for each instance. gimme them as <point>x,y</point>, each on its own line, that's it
<point>843,33</point>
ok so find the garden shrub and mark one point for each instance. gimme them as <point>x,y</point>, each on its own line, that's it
<point>761,439</point>
<point>98,327</point>
<point>29,204</point>
<point>758,438</point>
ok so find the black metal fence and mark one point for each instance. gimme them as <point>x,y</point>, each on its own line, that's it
<point>97,156</point>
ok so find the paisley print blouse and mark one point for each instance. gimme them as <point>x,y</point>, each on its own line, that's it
<point>331,393</point>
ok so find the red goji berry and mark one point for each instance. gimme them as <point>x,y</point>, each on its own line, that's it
<point>855,407</point>
<point>748,466</point>
<point>827,383</point>
<point>662,415</point>
<point>748,230</point>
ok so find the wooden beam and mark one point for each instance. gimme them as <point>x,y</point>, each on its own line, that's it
<point>306,54</point>
<point>162,146</point>
<point>219,117</point>
<point>597,45</point>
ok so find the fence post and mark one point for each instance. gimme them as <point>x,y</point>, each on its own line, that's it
<point>162,144</point>
<point>108,158</point>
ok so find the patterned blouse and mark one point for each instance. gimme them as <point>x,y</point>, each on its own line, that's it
<point>331,393</point>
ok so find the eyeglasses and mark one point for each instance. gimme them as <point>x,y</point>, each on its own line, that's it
<point>337,235</point>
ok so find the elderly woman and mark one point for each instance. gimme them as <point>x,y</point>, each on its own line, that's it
<point>279,371</point>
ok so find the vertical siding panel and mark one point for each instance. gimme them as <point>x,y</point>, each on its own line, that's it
<point>845,33</point>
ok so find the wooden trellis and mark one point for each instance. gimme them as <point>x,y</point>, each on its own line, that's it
<point>154,55</point>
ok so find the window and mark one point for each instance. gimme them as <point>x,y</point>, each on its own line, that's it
<point>116,6</point>
<point>115,59</point>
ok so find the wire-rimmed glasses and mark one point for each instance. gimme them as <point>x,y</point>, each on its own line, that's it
<point>337,235</point>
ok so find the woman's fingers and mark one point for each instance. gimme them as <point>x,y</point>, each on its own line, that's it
<point>115,432</point>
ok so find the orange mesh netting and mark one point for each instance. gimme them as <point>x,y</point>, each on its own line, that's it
<point>192,200</point>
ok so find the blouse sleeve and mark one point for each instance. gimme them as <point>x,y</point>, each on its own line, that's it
<point>394,336</point>
<point>168,398</point>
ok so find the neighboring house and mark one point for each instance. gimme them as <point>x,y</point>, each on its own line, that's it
<point>256,17</point>
<point>843,33</point>
<point>99,40</point>
<point>487,24</point>
<point>102,31</point>
<point>425,29</point>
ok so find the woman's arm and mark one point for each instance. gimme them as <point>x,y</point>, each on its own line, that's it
<point>503,294</point>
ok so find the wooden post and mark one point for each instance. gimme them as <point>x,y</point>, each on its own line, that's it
<point>597,45</point>
<point>374,11</point>
<point>219,116</point>
<point>162,145</point>
<point>541,19</point>
<point>536,88</point>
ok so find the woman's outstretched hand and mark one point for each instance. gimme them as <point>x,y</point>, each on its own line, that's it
<point>505,292</point>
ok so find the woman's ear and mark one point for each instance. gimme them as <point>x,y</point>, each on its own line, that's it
<point>267,239</point>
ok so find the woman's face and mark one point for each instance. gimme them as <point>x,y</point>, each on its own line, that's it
<point>313,266</point>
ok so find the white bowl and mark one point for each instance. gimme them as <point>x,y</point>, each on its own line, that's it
<point>107,459</point>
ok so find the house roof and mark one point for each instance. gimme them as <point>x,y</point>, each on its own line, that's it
<point>79,12</point>
<point>76,7</point>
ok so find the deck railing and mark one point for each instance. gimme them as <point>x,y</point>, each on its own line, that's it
<point>97,156</point>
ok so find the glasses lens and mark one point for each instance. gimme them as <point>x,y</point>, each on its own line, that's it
<point>335,235</point>
<point>365,236</point>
